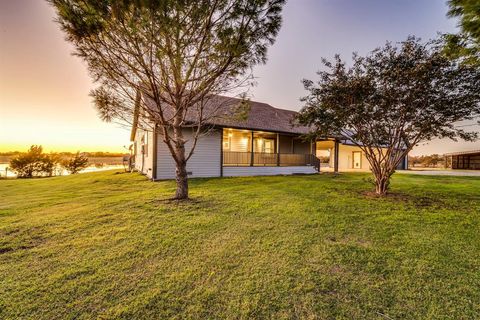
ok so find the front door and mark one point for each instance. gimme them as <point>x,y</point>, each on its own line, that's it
<point>357,160</point>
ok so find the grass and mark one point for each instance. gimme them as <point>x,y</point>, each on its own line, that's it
<point>107,245</point>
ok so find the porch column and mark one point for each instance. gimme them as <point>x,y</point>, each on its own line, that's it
<point>313,155</point>
<point>221,152</point>
<point>278,150</point>
<point>335,159</point>
<point>251,150</point>
<point>155,152</point>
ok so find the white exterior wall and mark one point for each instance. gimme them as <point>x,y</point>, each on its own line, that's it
<point>205,161</point>
<point>345,158</point>
<point>266,171</point>
<point>144,162</point>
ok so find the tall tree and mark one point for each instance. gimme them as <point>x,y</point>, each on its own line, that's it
<point>176,53</point>
<point>391,100</point>
<point>466,43</point>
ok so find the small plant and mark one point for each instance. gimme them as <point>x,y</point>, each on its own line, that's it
<point>75,164</point>
<point>34,163</point>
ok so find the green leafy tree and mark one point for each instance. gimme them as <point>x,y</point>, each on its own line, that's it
<point>178,54</point>
<point>75,164</point>
<point>432,161</point>
<point>34,163</point>
<point>466,43</point>
<point>391,100</point>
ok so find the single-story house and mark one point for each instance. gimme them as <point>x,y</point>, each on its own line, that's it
<point>262,141</point>
<point>467,160</point>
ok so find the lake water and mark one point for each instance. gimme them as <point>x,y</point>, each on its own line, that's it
<point>92,168</point>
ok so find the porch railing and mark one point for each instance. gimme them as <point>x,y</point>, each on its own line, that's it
<point>233,158</point>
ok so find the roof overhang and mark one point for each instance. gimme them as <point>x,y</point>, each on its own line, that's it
<point>461,153</point>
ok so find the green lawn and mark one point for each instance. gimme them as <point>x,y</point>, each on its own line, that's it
<point>108,245</point>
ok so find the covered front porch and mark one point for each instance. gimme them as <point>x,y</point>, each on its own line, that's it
<point>250,148</point>
<point>327,152</point>
<point>335,156</point>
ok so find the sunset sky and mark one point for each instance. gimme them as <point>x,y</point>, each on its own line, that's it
<point>44,89</point>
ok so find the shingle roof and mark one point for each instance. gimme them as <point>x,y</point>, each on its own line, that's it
<point>224,111</point>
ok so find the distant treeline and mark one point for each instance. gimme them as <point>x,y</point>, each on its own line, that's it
<point>429,161</point>
<point>97,154</point>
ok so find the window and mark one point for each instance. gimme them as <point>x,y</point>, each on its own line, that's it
<point>268,146</point>
<point>226,141</point>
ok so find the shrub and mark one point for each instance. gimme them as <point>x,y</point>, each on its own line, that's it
<point>75,164</point>
<point>34,163</point>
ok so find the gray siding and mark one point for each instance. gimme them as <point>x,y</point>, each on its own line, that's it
<point>266,171</point>
<point>285,144</point>
<point>205,161</point>
<point>300,146</point>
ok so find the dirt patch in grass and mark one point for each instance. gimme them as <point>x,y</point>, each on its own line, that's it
<point>4,250</point>
<point>390,195</point>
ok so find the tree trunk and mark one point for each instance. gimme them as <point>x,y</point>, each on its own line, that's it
<point>381,186</point>
<point>181,176</point>
<point>382,182</point>
<point>182,181</point>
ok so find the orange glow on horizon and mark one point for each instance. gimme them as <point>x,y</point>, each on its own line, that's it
<point>44,90</point>
<point>58,148</point>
